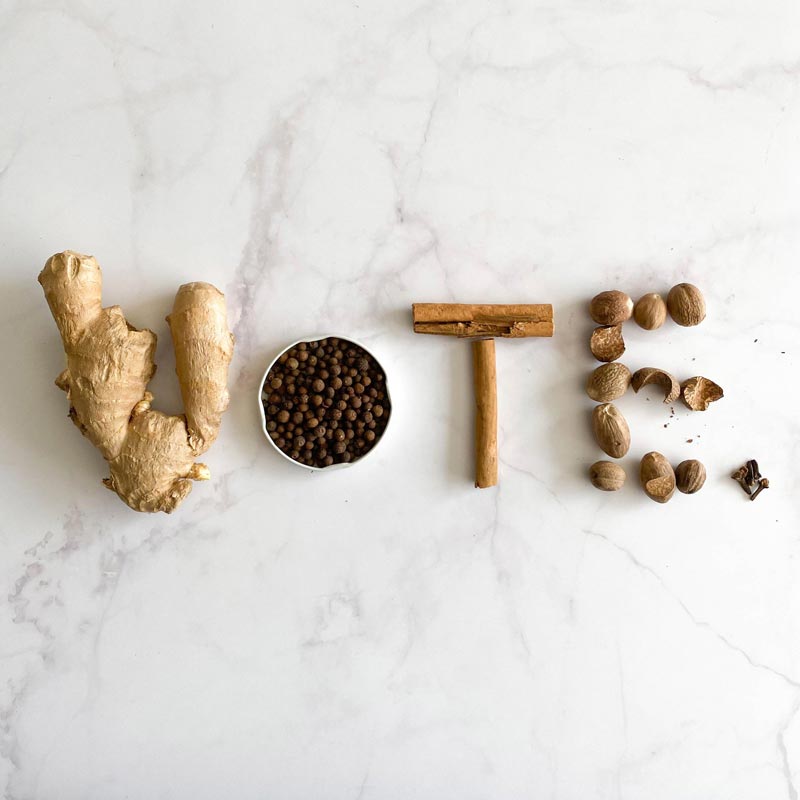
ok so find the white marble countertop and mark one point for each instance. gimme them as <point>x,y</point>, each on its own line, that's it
<point>388,631</point>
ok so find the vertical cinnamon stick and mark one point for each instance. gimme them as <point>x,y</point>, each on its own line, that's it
<point>485,374</point>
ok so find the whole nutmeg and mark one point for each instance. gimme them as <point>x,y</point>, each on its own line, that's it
<point>647,375</point>
<point>607,343</point>
<point>611,308</point>
<point>607,476</point>
<point>686,305</point>
<point>657,477</point>
<point>690,475</point>
<point>650,311</point>
<point>611,430</point>
<point>608,382</point>
<point>698,393</point>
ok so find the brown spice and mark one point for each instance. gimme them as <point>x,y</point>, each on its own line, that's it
<point>313,414</point>
<point>657,477</point>
<point>698,393</point>
<point>607,343</point>
<point>648,375</point>
<point>690,475</point>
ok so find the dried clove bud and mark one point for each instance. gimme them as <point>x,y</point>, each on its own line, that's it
<point>752,473</point>
<point>740,477</point>
<point>762,484</point>
<point>749,478</point>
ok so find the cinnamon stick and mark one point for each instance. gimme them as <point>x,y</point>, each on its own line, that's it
<point>485,376</point>
<point>483,320</point>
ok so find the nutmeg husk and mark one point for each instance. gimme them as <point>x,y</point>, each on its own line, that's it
<point>647,375</point>
<point>657,477</point>
<point>611,430</point>
<point>607,343</point>
<point>650,311</point>
<point>611,308</point>
<point>698,393</point>
<point>686,304</point>
<point>607,476</point>
<point>608,382</point>
<point>690,475</point>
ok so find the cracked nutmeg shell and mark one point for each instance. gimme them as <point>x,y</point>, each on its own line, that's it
<point>647,375</point>
<point>698,393</point>
<point>611,308</point>
<point>690,475</point>
<point>611,430</point>
<point>607,476</point>
<point>608,382</point>
<point>650,311</point>
<point>657,477</point>
<point>607,343</point>
<point>686,305</point>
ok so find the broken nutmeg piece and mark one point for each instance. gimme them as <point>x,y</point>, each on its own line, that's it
<point>698,393</point>
<point>657,477</point>
<point>648,375</point>
<point>607,343</point>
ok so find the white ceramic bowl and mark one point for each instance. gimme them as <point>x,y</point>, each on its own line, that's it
<point>263,413</point>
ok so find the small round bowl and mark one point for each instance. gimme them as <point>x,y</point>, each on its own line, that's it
<point>263,413</point>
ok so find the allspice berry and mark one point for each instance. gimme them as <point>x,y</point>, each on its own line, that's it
<point>690,476</point>
<point>650,311</point>
<point>686,305</point>
<point>607,476</point>
<point>611,308</point>
<point>318,418</point>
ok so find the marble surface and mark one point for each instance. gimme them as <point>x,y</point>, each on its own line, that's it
<point>388,631</point>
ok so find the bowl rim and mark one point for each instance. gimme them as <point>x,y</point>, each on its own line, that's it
<point>263,413</point>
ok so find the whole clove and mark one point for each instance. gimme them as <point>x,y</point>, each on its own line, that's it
<point>762,484</point>
<point>739,476</point>
<point>750,479</point>
<point>752,475</point>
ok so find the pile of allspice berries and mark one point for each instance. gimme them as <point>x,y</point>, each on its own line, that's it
<point>610,310</point>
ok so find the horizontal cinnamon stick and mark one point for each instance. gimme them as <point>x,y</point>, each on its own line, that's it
<point>481,321</point>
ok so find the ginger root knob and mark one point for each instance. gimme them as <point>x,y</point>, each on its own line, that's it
<point>151,455</point>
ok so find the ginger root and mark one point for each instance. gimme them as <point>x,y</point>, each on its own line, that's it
<point>151,455</point>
